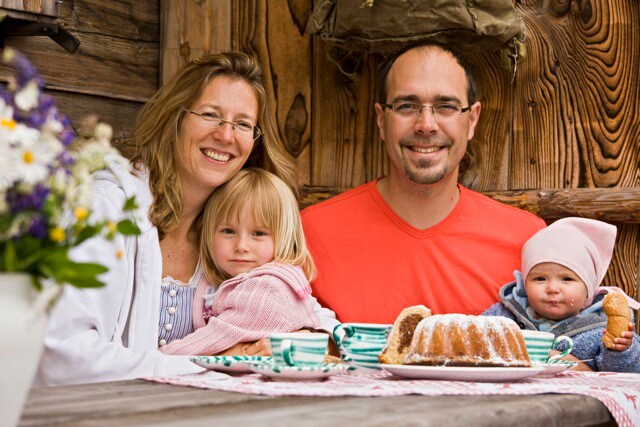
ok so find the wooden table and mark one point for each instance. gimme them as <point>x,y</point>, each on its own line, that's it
<point>140,402</point>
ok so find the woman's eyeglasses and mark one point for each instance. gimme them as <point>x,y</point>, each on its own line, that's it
<point>242,130</point>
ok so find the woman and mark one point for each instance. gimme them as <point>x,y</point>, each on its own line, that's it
<point>193,135</point>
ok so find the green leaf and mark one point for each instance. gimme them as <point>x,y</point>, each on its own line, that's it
<point>130,204</point>
<point>9,257</point>
<point>63,270</point>
<point>128,228</point>
<point>88,232</point>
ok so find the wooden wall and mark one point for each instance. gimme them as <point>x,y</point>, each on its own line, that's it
<point>115,69</point>
<point>561,139</point>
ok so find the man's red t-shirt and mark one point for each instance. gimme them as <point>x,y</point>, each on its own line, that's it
<point>372,264</point>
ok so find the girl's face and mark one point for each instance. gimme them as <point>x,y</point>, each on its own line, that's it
<point>242,245</point>
<point>555,292</point>
<point>208,156</point>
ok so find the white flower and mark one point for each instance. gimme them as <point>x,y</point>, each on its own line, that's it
<point>27,98</point>
<point>53,126</point>
<point>8,161</point>
<point>34,158</point>
<point>103,131</point>
<point>7,123</point>
<point>60,183</point>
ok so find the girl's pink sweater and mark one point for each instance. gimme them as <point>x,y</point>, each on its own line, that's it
<point>269,299</point>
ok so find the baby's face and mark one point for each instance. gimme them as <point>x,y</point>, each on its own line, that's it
<point>555,292</point>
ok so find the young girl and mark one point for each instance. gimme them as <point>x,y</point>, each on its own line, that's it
<point>563,266</point>
<point>253,246</point>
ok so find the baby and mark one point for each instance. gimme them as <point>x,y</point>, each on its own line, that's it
<point>559,291</point>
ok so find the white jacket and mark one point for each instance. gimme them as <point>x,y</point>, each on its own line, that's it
<point>111,333</point>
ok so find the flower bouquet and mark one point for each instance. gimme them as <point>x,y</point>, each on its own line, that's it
<point>45,211</point>
<point>46,183</point>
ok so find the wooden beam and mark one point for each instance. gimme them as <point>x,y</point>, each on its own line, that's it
<point>612,205</point>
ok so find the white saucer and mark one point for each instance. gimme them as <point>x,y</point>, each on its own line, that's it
<point>554,368</point>
<point>462,373</point>
<point>298,373</point>
<point>237,364</point>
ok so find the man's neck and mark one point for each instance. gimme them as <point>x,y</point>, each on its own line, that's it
<point>421,206</point>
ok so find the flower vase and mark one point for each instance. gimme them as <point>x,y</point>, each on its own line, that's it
<point>23,318</point>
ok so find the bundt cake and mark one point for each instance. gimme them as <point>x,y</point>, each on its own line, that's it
<point>402,333</point>
<point>460,340</point>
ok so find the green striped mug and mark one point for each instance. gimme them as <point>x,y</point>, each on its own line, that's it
<point>299,349</point>
<point>539,345</point>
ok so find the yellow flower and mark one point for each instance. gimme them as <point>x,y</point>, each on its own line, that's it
<point>111,226</point>
<point>119,254</point>
<point>57,234</point>
<point>27,156</point>
<point>81,213</point>
<point>8,123</point>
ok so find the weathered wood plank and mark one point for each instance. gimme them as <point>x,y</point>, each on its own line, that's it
<point>146,403</point>
<point>128,19</point>
<point>41,7</point>
<point>121,115</point>
<point>190,30</point>
<point>105,66</point>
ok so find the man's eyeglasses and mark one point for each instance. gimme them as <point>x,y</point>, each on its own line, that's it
<point>242,130</point>
<point>442,111</point>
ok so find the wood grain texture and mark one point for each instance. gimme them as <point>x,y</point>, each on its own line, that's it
<point>138,402</point>
<point>346,149</point>
<point>104,66</point>
<point>274,32</point>
<point>127,19</point>
<point>191,29</point>
<point>108,63</point>
<point>487,164</point>
<point>577,95</point>
<point>41,7</point>
<point>121,115</point>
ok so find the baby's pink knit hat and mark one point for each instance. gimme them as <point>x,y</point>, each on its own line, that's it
<point>583,245</point>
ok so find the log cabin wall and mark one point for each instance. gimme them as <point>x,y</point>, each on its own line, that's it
<point>562,138</point>
<point>115,69</point>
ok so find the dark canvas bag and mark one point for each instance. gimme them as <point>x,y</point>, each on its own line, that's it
<point>386,26</point>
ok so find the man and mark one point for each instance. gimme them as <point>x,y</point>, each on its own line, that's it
<point>416,236</point>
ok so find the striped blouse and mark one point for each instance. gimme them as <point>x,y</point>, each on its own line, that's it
<point>176,320</point>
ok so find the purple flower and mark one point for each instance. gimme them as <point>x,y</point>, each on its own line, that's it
<point>22,202</point>
<point>38,227</point>
<point>25,71</point>
<point>66,159</point>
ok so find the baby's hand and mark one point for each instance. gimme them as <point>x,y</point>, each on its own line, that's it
<point>624,340</point>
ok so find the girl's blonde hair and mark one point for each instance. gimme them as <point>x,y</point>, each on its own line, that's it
<point>156,133</point>
<point>273,204</point>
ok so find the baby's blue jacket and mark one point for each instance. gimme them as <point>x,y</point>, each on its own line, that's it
<point>584,329</point>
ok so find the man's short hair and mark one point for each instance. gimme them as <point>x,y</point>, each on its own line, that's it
<point>387,63</point>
